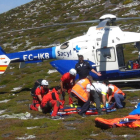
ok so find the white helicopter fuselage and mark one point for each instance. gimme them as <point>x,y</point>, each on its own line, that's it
<point>99,47</point>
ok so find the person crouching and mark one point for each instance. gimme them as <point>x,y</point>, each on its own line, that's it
<point>51,100</point>
<point>38,95</point>
<point>81,91</point>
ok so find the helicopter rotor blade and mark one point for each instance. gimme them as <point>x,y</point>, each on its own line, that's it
<point>129,18</point>
<point>53,25</point>
<point>102,24</point>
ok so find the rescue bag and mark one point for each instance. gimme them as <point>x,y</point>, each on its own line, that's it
<point>132,121</point>
<point>36,84</point>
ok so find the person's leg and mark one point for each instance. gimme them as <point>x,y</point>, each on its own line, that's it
<point>96,99</point>
<point>32,107</point>
<point>84,107</point>
<point>70,97</point>
<point>119,99</point>
<point>55,104</point>
<point>62,97</point>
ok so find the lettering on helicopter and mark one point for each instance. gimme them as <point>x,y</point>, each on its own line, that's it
<point>40,56</point>
<point>67,54</point>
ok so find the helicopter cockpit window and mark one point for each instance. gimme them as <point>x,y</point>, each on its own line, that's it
<point>64,45</point>
<point>106,54</point>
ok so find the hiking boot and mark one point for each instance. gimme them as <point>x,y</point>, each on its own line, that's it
<point>83,115</point>
<point>56,117</point>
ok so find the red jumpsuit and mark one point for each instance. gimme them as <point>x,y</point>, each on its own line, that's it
<point>68,83</point>
<point>52,98</point>
<point>36,102</point>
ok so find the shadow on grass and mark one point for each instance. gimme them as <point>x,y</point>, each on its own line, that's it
<point>16,92</point>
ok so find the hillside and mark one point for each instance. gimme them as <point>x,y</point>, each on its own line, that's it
<point>16,120</point>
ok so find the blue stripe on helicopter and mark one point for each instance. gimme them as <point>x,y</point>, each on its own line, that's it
<point>63,66</point>
<point>53,52</point>
<point>33,55</point>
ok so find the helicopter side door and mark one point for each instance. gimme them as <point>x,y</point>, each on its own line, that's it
<point>106,59</point>
<point>120,56</point>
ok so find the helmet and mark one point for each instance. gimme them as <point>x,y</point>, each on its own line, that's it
<point>73,72</point>
<point>44,83</point>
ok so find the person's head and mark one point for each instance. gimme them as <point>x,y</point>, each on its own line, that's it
<point>58,89</point>
<point>81,58</point>
<point>72,72</point>
<point>45,84</point>
<point>89,78</point>
<point>106,82</point>
<point>109,92</point>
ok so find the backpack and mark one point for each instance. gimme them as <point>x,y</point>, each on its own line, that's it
<point>36,84</point>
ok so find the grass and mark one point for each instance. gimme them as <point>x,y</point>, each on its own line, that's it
<point>73,127</point>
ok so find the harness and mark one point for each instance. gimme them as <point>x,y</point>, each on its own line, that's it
<point>35,97</point>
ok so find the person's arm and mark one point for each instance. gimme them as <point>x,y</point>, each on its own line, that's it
<point>61,85</point>
<point>38,93</point>
<point>39,97</point>
<point>98,73</point>
<point>73,81</point>
<point>104,100</point>
<point>109,99</point>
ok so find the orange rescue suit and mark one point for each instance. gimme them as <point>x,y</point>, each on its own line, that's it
<point>79,89</point>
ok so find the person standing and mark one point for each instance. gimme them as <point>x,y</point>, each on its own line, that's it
<point>67,82</point>
<point>83,68</point>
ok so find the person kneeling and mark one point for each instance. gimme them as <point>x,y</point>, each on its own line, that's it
<point>51,100</point>
<point>117,95</point>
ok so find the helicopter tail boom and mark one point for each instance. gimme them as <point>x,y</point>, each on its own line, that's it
<point>4,61</point>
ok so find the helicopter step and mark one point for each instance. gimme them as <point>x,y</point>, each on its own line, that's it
<point>135,83</point>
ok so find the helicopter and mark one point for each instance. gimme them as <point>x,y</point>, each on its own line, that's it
<point>101,46</point>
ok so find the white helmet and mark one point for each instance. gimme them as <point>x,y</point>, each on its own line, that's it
<point>44,83</point>
<point>73,72</point>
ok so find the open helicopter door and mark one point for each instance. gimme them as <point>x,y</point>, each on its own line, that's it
<point>120,56</point>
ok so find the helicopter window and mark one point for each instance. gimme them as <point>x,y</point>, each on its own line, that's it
<point>65,45</point>
<point>106,54</point>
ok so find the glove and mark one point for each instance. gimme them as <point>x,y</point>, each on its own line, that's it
<point>107,104</point>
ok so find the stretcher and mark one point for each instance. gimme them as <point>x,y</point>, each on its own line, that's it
<point>91,111</point>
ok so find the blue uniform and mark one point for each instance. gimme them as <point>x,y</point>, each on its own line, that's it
<point>83,69</point>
